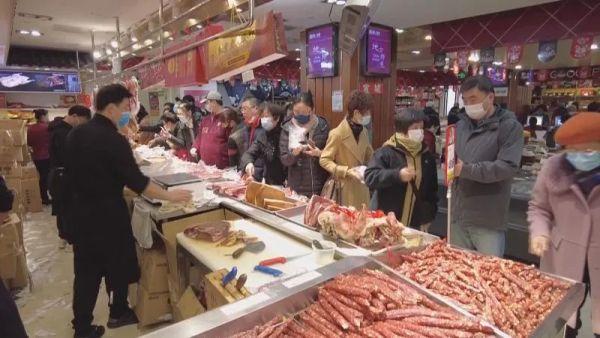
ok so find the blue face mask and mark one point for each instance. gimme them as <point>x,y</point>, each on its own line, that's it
<point>302,119</point>
<point>124,119</point>
<point>584,160</point>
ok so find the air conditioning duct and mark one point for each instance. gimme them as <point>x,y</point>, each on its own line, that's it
<point>356,16</point>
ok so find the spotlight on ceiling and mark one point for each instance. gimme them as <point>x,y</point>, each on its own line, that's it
<point>594,46</point>
<point>399,30</point>
<point>428,37</point>
<point>114,44</point>
<point>518,67</point>
<point>97,54</point>
<point>36,33</point>
<point>416,52</point>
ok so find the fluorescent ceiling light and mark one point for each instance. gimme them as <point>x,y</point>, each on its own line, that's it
<point>421,71</point>
<point>340,2</point>
<point>24,32</point>
<point>428,37</point>
<point>416,52</point>
<point>331,1</point>
<point>35,33</point>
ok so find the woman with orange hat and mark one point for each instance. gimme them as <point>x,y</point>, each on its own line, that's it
<point>564,213</point>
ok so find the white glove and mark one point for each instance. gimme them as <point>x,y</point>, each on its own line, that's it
<point>250,169</point>
<point>538,245</point>
<point>193,151</point>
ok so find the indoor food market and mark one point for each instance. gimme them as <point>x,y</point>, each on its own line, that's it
<point>299,168</point>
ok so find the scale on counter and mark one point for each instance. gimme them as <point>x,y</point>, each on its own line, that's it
<point>172,180</point>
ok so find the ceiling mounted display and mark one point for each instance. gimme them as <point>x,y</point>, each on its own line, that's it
<point>356,16</point>
<point>41,82</point>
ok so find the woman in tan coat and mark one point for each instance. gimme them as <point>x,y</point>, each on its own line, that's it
<point>348,149</point>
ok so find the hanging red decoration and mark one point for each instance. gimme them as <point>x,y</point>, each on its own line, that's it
<point>514,53</point>
<point>581,46</point>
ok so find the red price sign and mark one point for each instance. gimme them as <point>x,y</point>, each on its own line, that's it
<point>450,154</point>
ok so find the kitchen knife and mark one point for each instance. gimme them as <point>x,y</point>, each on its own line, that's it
<point>268,271</point>
<point>280,260</point>
<point>229,276</point>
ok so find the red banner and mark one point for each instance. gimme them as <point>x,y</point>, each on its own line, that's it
<point>463,58</point>
<point>262,43</point>
<point>514,53</point>
<point>188,68</point>
<point>151,74</point>
<point>581,47</point>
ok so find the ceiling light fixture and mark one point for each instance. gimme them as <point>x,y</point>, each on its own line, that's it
<point>114,44</point>
<point>108,51</point>
<point>416,52</point>
<point>497,63</point>
<point>148,42</point>
<point>594,46</point>
<point>134,39</point>
<point>297,59</point>
<point>123,53</point>
<point>36,33</point>
<point>150,47</point>
<point>297,49</point>
<point>399,30</point>
<point>340,2</point>
<point>171,38</point>
<point>239,10</point>
<point>23,32</point>
<point>331,1</point>
<point>97,54</point>
<point>192,21</point>
<point>136,46</point>
<point>166,34</point>
<point>518,67</point>
<point>474,57</point>
<point>421,71</point>
<point>199,26</point>
<point>428,37</point>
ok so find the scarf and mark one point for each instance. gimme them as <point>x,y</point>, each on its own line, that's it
<point>412,150</point>
<point>356,129</point>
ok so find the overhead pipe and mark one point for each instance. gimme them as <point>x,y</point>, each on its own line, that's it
<point>189,47</point>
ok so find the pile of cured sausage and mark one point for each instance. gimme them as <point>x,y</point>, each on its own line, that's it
<point>513,296</point>
<point>371,304</point>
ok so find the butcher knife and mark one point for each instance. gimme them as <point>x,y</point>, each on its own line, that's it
<point>281,260</point>
<point>254,247</point>
<point>268,270</point>
<point>229,276</point>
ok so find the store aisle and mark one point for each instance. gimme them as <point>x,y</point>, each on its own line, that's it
<point>46,309</point>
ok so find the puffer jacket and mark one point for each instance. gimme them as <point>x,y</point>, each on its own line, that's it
<point>305,174</point>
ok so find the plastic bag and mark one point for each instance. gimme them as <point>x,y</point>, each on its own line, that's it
<point>142,225</point>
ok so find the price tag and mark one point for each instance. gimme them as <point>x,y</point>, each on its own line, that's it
<point>301,279</point>
<point>245,304</point>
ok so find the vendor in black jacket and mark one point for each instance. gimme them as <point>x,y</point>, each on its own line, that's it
<point>59,129</point>
<point>99,164</point>
<point>403,173</point>
<point>265,148</point>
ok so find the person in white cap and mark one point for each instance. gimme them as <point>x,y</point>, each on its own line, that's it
<point>211,141</point>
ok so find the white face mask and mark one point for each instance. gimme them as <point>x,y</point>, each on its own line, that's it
<point>476,111</point>
<point>416,135</point>
<point>365,120</point>
<point>267,123</point>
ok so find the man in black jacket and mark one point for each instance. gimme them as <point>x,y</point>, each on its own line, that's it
<point>99,164</point>
<point>403,173</point>
<point>59,129</point>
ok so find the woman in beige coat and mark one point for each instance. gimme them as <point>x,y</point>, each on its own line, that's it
<point>348,149</point>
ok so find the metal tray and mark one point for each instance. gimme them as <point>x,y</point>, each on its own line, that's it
<point>554,322</point>
<point>285,298</point>
<point>296,215</point>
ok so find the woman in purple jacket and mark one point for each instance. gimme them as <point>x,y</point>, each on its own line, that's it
<point>564,213</point>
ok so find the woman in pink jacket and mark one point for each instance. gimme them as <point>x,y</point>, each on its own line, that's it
<point>564,213</point>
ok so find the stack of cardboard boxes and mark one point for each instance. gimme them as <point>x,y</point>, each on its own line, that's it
<point>13,264</point>
<point>16,166</point>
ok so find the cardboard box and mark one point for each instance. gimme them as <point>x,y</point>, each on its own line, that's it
<point>17,130</point>
<point>188,306</point>
<point>14,184</point>
<point>9,238</point>
<point>8,266</point>
<point>13,218</point>
<point>152,308</point>
<point>11,170</point>
<point>22,273</point>
<point>154,271</point>
<point>31,195</point>
<point>25,154</point>
<point>6,138</point>
<point>29,172</point>
<point>11,153</point>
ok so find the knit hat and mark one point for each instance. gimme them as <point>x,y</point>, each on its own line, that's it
<point>582,128</point>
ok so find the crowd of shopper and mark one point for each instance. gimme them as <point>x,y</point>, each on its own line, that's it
<point>86,162</point>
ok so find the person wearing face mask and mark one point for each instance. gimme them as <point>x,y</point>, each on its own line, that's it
<point>185,113</point>
<point>59,129</point>
<point>99,164</point>
<point>266,148</point>
<point>237,140</point>
<point>302,138</point>
<point>251,112</point>
<point>348,149</point>
<point>564,212</point>
<point>403,173</point>
<point>211,141</point>
<point>489,144</point>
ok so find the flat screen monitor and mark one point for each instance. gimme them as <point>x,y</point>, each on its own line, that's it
<point>41,82</point>
<point>377,58</point>
<point>321,50</point>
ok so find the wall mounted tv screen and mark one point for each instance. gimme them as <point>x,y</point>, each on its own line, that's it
<point>41,82</point>
<point>321,51</point>
<point>377,57</point>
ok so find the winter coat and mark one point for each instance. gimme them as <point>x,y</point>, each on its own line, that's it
<point>264,153</point>
<point>383,176</point>
<point>491,151</point>
<point>305,175</point>
<point>343,153</point>
<point>560,211</point>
